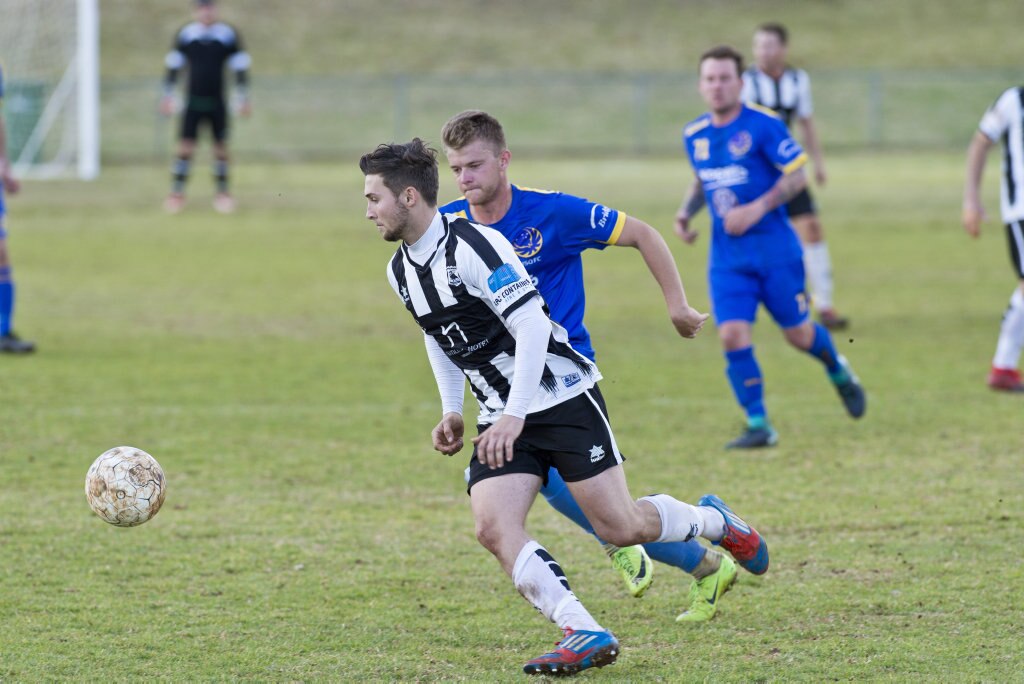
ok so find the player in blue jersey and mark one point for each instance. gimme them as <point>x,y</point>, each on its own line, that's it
<point>549,231</point>
<point>747,167</point>
<point>9,342</point>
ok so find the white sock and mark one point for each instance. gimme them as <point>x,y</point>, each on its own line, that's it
<point>1011,334</point>
<point>540,580</point>
<point>819,273</point>
<point>682,522</point>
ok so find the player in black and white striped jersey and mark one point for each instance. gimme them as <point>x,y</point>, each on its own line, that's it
<point>774,84</point>
<point>540,407</point>
<point>1004,121</point>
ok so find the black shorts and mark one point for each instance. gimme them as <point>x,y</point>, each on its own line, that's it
<point>216,113</point>
<point>1015,236</point>
<point>574,437</point>
<point>801,204</point>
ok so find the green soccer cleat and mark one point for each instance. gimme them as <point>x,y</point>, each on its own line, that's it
<point>636,569</point>
<point>704,593</point>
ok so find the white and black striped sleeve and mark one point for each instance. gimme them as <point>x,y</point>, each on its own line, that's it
<point>491,270</point>
<point>997,119</point>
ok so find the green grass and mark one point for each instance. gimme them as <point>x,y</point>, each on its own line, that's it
<point>310,533</point>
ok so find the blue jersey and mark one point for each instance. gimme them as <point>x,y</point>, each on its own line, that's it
<point>736,164</point>
<point>549,231</point>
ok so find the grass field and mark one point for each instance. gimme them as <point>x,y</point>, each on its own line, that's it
<point>310,533</point>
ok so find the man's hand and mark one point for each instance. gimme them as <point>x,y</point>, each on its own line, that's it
<point>739,219</point>
<point>683,229</point>
<point>494,447</point>
<point>11,184</point>
<point>447,436</point>
<point>244,107</point>
<point>820,177</point>
<point>167,105</point>
<point>972,216</point>
<point>688,321</point>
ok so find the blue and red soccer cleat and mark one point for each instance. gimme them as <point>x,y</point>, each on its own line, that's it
<point>577,651</point>
<point>741,540</point>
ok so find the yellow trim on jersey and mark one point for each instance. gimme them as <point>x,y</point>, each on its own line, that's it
<point>795,164</point>
<point>462,214</point>
<point>764,110</point>
<point>617,230</point>
<point>696,126</point>
<point>543,192</point>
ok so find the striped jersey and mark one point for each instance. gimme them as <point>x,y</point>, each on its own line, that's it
<point>788,95</point>
<point>205,50</point>
<point>1003,121</point>
<point>462,293</point>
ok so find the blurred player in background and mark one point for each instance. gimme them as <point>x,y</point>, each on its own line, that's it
<point>549,232</point>
<point>748,167</point>
<point>9,342</point>
<point>778,86</point>
<point>1004,120</point>
<point>540,406</point>
<point>205,46</point>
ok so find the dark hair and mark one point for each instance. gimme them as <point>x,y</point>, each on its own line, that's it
<point>404,165</point>
<point>778,29</point>
<point>723,52</point>
<point>464,128</point>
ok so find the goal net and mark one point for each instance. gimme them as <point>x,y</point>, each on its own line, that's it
<point>49,53</point>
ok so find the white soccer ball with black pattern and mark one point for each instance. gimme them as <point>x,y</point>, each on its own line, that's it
<point>125,486</point>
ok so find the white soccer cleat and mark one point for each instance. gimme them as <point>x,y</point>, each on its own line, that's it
<point>224,203</point>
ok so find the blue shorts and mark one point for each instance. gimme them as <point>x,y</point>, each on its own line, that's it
<point>3,211</point>
<point>735,294</point>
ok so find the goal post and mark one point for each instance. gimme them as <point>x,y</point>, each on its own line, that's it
<point>49,52</point>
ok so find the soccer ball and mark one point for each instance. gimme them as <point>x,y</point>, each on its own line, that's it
<point>125,486</point>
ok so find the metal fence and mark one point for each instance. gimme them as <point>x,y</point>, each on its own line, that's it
<point>582,113</point>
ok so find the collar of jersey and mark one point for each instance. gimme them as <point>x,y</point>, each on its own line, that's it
<point>438,222</point>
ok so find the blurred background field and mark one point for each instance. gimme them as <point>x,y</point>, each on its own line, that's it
<point>310,533</point>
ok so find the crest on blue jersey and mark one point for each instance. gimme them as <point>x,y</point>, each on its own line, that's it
<point>739,144</point>
<point>502,276</point>
<point>527,242</point>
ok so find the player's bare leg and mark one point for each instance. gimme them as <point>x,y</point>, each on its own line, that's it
<point>819,269</point>
<point>1005,375</point>
<point>175,201</point>
<point>623,520</point>
<point>500,505</point>
<point>222,202</point>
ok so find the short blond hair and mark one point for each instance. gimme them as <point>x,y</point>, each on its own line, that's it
<point>472,125</point>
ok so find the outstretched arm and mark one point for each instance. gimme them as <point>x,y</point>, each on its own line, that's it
<point>9,182</point>
<point>693,202</point>
<point>652,247</point>
<point>973,212</point>
<point>739,219</point>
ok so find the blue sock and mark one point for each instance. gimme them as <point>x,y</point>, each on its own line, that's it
<point>825,351</point>
<point>6,299</point>
<point>683,555</point>
<point>745,378</point>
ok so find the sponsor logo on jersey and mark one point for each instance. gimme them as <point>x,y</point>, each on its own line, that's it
<point>571,379</point>
<point>723,200</point>
<point>527,242</point>
<point>788,148</point>
<point>502,276</point>
<point>723,176</point>
<point>739,144</point>
<point>454,279</point>
<point>595,221</point>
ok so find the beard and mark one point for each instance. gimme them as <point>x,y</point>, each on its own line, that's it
<point>399,224</point>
